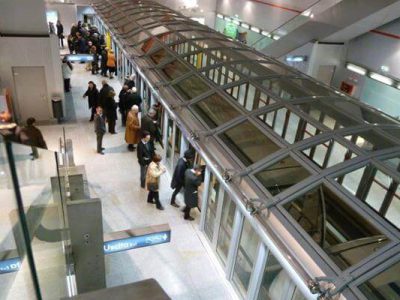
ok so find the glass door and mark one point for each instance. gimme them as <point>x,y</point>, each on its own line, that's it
<point>170,132</point>
<point>212,205</point>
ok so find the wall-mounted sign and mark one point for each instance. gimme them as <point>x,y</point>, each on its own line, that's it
<point>133,239</point>
<point>230,30</point>
<point>347,88</point>
<point>79,57</point>
<point>10,265</point>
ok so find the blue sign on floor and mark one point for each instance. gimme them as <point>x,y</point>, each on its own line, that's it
<point>10,265</point>
<point>137,242</point>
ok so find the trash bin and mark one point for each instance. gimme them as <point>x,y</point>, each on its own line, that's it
<point>57,108</point>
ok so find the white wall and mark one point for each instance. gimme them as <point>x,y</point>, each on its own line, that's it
<point>23,17</point>
<point>84,10</point>
<point>325,55</point>
<point>306,50</point>
<point>67,14</point>
<point>35,52</point>
<point>260,15</point>
<point>374,50</point>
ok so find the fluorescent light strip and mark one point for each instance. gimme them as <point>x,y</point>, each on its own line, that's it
<point>381,78</point>
<point>398,86</point>
<point>244,25</point>
<point>236,22</point>
<point>255,29</point>
<point>356,69</point>
<point>220,16</point>
<point>266,33</point>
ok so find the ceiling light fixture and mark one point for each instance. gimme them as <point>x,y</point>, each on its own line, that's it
<point>244,25</point>
<point>381,78</point>
<point>356,69</point>
<point>255,29</point>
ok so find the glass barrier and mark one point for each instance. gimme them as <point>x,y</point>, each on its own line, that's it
<point>42,195</point>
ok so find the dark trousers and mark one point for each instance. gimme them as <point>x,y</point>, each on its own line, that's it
<point>111,125</point>
<point>123,118</point>
<point>95,68</point>
<point>67,84</point>
<point>61,38</point>
<point>154,195</point>
<point>186,212</point>
<point>103,69</point>
<point>35,152</point>
<point>111,70</point>
<point>93,112</point>
<point>176,192</point>
<point>99,142</point>
<point>143,170</point>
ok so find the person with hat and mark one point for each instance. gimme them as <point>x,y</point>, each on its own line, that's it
<point>178,178</point>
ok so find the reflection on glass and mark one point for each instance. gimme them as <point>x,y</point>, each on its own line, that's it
<point>384,285</point>
<point>289,125</point>
<point>191,87</point>
<point>215,110</point>
<point>344,234</point>
<point>212,207</point>
<point>328,154</point>
<point>248,143</point>
<point>160,56</point>
<point>282,175</point>
<point>246,257</point>
<point>175,69</point>
<point>377,189</point>
<point>370,141</point>
<point>276,283</point>
<point>225,228</point>
<point>177,148</point>
<point>285,88</point>
<point>170,129</point>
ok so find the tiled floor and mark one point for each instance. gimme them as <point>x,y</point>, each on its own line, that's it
<point>184,267</point>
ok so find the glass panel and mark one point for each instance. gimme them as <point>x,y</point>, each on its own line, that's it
<point>377,189</point>
<point>282,175</point>
<point>328,154</point>
<point>225,229</point>
<point>215,111</point>
<point>16,281</point>
<point>314,88</point>
<point>248,143</point>
<point>170,129</point>
<point>136,37</point>
<point>284,88</point>
<point>276,283</point>
<point>212,205</point>
<point>175,69</point>
<point>385,285</point>
<point>370,141</point>
<point>160,56</point>
<point>246,257</point>
<point>191,87</point>
<point>345,235</point>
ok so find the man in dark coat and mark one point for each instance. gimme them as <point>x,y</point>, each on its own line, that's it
<point>192,183</point>
<point>133,98</point>
<point>60,33</point>
<point>178,178</point>
<point>104,93</point>
<point>149,123</point>
<point>123,104</point>
<point>103,66</point>
<point>130,81</point>
<point>32,136</point>
<point>111,111</point>
<point>99,128</point>
<point>145,153</point>
<point>93,98</point>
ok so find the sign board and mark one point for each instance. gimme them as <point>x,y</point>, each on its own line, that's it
<point>10,265</point>
<point>79,57</point>
<point>133,239</point>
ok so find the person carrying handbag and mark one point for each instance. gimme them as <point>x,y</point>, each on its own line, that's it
<point>154,171</point>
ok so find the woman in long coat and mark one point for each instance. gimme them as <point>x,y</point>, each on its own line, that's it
<point>132,129</point>
<point>93,98</point>
<point>154,171</point>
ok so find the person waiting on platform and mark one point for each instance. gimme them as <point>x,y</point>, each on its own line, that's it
<point>60,33</point>
<point>192,183</point>
<point>130,81</point>
<point>32,136</point>
<point>93,98</point>
<point>99,128</point>
<point>154,171</point>
<point>111,64</point>
<point>67,72</point>
<point>132,130</point>
<point>123,104</point>
<point>104,92</point>
<point>149,123</point>
<point>178,178</point>
<point>134,98</point>
<point>145,152</point>
<point>103,62</point>
<point>111,111</point>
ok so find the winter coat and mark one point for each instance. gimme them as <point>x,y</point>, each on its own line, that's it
<point>110,60</point>
<point>66,70</point>
<point>178,178</point>
<point>60,30</point>
<point>133,99</point>
<point>110,107</point>
<point>93,97</point>
<point>30,135</point>
<point>132,130</point>
<point>104,94</point>
<point>99,124</point>
<point>147,124</point>
<point>192,182</point>
<point>122,104</point>
<point>145,153</point>
<point>154,171</point>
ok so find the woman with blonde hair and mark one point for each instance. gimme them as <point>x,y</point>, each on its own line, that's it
<point>132,129</point>
<point>154,171</point>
